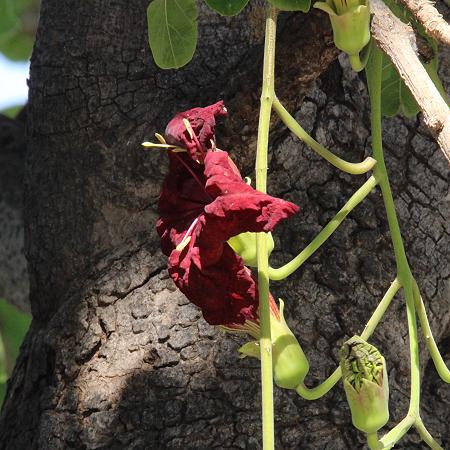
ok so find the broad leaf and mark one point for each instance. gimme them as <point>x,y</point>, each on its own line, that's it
<point>227,7</point>
<point>172,31</point>
<point>292,5</point>
<point>396,98</point>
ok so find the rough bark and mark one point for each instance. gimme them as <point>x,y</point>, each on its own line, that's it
<point>432,21</point>
<point>118,359</point>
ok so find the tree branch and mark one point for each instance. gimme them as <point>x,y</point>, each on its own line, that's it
<point>431,19</point>
<point>397,40</point>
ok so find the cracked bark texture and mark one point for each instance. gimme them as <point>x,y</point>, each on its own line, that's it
<point>116,358</point>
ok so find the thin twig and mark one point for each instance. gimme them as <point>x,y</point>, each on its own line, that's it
<point>430,18</point>
<point>397,40</point>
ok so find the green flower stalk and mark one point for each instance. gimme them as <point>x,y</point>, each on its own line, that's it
<point>290,365</point>
<point>350,20</point>
<point>366,384</point>
<point>244,245</point>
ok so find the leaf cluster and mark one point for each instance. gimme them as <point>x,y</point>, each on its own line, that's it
<point>173,29</point>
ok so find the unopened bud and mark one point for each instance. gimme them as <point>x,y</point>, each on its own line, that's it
<point>366,384</point>
<point>350,20</point>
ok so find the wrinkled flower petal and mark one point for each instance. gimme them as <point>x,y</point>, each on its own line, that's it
<point>203,124</point>
<point>226,292</point>
<point>203,203</point>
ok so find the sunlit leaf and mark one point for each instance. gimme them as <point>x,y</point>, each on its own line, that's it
<point>227,7</point>
<point>172,31</point>
<point>292,5</point>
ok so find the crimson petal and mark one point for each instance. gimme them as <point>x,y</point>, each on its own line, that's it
<point>203,123</point>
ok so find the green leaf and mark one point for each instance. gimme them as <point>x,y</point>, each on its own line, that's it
<point>172,31</point>
<point>409,106</point>
<point>292,5</point>
<point>390,89</point>
<point>12,111</point>
<point>17,28</point>
<point>227,7</point>
<point>13,326</point>
<point>16,45</point>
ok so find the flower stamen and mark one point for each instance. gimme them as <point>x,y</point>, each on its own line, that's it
<point>192,134</point>
<point>163,144</point>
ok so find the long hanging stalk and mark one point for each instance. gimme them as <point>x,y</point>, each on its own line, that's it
<point>403,271</point>
<point>267,96</point>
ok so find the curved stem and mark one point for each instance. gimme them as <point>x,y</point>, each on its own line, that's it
<point>261,238</point>
<point>327,385</point>
<point>323,388</point>
<point>436,356</point>
<point>284,271</point>
<point>425,435</point>
<point>295,127</point>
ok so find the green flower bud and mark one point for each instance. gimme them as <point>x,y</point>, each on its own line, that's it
<point>290,364</point>
<point>244,245</point>
<point>350,20</point>
<point>366,384</point>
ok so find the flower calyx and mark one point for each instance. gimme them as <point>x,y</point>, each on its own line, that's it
<point>244,244</point>
<point>365,383</point>
<point>350,20</point>
<point>290,365</point>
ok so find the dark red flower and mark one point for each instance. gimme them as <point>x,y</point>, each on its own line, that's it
<point>201,136</point>
<point>201,207</point>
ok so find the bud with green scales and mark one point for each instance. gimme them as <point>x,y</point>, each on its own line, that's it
<point>366,384</point>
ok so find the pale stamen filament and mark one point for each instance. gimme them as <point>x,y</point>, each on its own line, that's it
<point>163,144</point>
<point>189,129</point>
<point>187,236</point>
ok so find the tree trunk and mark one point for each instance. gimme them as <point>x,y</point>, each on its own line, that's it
<point>116,357</point>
